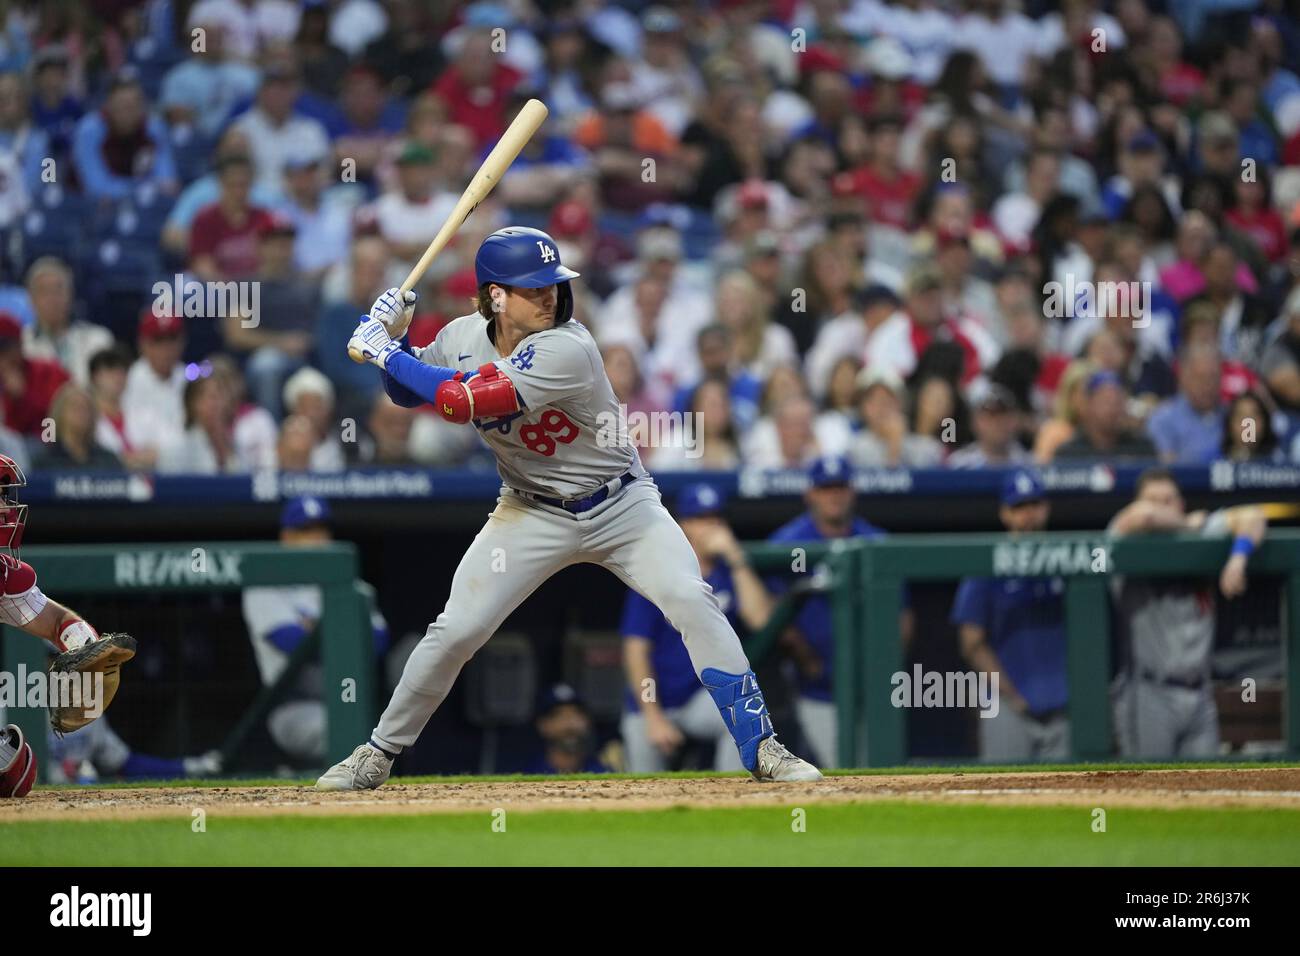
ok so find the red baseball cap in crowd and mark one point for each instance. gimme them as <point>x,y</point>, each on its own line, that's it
<point>10,327</point>
<point>154,326</point>
<point>570,218</point>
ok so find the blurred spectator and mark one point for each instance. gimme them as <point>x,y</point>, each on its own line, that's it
<point>121,147</point>
<point>710,437</point>
<point>409,216</point>
<point>403,53</point>
<point>1163,694</point>
<point>886,190</point>
<point>809,641</point>
<point>823,294</point>
<point>1014,628</point>
<point>388,441</point>
<point>1280,364</point>
<point>253,430</point>
<point>994,422</point>
<point>1228,285</point>
<point>567,733</point>
<point>55,335</point>
<point>204,89</point>
<point>206,190</point>
<point>323,64</point>
<point>1254,216</point>
<point>664,74</point>
<point>791,435</point>
<point>965,295</point>
<point>664,703</point>
<point>716,348</point>
<point>23,150</point>
<point>370,122</point>
<point>277,338</point>
<point>108,376</point>
<point>1067,411</point>
<point>294,447</point>
<point>848,334</point>
<point>28,384</point>
<point>1248,433</point>
<point>1188,429</point>
<point>153,405</point>
<point>71,442</point>
<point>207,446</point>
<point>1103,431</point>
<point>55,110</point>
<point>760,344</point>
<point>658,315</point>
<point>280,619</point>
<point>720,146</point>
<point>366,280</point>
<point>223,236</point>
<point>309,395</point>
<point>323,216</point>
<point>276,129</point>
<point>476,86</point>
<point>250,25</point>
<point>623,138</point>
<point>939,411</point>
<point>901,339</point>
<point>884,440</point>
<point>548,166</point>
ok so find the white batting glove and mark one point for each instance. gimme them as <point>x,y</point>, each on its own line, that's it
<point>395,309</point>
<point>372,340</point>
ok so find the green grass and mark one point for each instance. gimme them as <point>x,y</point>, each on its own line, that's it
<point>892,833</point>
<point>693,774</point>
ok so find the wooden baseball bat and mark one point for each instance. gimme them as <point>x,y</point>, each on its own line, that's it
<point>525,124</point>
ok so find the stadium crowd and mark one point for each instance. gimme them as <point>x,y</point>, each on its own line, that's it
<point>921,234</point>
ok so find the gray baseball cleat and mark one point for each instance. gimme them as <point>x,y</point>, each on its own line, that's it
<point>776,764</point>
<point>365,769</point>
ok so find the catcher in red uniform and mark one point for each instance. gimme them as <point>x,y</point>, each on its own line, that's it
<point>81,648</point>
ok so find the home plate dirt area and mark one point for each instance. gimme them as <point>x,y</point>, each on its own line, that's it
<point>1171,789</point>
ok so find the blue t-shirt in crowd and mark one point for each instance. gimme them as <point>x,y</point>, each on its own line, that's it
<point>814,617</point>
<point>1024,624</point>
<point>675,680</point>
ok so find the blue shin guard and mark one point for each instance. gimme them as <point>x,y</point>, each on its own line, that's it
<point>743,710</point>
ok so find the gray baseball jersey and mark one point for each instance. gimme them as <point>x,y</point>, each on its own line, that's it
<point>563,443</point>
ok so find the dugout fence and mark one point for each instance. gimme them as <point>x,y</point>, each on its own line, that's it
<point>864,581</point>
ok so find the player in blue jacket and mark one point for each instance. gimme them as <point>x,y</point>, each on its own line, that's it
<point>1015,627</point>
<point>810,641</point>
<point>665,704</point>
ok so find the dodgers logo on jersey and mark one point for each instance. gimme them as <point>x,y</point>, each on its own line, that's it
<point>523,359</point>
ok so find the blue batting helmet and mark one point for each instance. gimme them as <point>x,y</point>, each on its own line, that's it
<point>528,258</point>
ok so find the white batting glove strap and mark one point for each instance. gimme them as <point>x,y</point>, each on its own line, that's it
<point>395,309</point>
<point>372,340</point>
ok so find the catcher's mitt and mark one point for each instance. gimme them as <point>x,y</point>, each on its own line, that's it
<point>106,656</point>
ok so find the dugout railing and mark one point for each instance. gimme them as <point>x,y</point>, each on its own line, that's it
<point>122,570</point>
<point>864,580</point>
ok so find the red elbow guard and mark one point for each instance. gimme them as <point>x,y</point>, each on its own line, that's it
<point>489,394</point>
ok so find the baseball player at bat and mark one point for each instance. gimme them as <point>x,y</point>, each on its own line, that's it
<point>529,377</point>
<point>81,649</point>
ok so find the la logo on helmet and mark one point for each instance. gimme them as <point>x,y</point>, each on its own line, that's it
<point>548,254</point>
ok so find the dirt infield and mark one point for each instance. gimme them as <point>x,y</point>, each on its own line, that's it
<point>1170,789</point>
